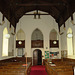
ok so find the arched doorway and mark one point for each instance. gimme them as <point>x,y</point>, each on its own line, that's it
<point>37,57</point>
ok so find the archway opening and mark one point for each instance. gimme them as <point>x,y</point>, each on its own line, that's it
<point>37,57</point>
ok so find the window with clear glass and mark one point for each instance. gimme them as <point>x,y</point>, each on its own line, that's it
<point>5,43</point>
<point>69,42</point>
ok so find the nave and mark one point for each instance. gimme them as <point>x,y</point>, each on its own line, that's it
<point>37,37</point>
<point>18,66</point>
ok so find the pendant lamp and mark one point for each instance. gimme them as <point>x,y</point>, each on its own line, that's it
<point>20,42</point>
<point>7,36</point>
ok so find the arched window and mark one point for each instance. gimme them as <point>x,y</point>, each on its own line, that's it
<point>37,39</point>
<point>69,42</point>
<point>5,43</point>
<point>37,35</point>
<point>53,35</point>
<point>20,35</point>
<point>54,42</point>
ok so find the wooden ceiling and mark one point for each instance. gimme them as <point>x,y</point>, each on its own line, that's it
<point>60,10</point>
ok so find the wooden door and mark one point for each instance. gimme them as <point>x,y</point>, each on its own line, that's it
<point>37,57</point>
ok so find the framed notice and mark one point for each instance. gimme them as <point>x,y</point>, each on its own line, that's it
<point>46,54</point>
<point>20,52</point>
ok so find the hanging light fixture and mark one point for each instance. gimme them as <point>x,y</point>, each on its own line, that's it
<point>7,36</point>
<point>69,35</point>
<point>54,42</point>
<point>20,42</point>
<point>39,15</point>
<point>34,15</point>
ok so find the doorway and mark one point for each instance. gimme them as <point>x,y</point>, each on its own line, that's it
<point>37,57</point>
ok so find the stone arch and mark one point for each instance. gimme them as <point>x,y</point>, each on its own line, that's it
<point>20,35</point>
<point>53,35</point>
<point>37,35</point>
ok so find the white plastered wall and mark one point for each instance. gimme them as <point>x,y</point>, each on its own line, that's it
<point>45,25</point>
<point>64,35</point>
<point>11,43</point>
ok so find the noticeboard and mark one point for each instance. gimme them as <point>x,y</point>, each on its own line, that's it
<point>46,54</point>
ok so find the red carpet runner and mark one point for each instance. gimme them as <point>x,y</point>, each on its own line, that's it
<point>38,70</point>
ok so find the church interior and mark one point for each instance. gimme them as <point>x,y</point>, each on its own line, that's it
<point>37,37</point>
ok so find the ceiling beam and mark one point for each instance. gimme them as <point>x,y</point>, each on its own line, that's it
<point>35,4</point>
<point>67,13</point>
<point>37,14</point>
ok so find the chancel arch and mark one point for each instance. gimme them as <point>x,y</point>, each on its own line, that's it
<point>20,42</point>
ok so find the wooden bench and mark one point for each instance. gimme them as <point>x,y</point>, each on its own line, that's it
<point>15,68</point>
<point>61,68</point>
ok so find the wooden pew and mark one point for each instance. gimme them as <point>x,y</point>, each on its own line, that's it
<point>16,68</point>
<point>61,68</point>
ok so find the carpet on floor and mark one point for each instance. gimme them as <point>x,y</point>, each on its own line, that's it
<point>38,70</point>
<point>37,67</point>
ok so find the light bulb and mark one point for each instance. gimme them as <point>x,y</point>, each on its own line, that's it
<point>20,42</point>
<point>54,42</point>
<point>7,36</point>
<point>69,35</point>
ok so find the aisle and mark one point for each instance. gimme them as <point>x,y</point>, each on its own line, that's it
<point>38,70</point>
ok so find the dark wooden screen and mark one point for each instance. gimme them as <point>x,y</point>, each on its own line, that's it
<point>37,43</point>
<point>52,45</point>
<point>20,45</point>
